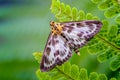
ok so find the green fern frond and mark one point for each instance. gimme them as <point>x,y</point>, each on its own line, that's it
<point>108,43</point>
<point>66,13</point>
<point>115,64</point>
<point>111,8</point>
<point>67,72</point>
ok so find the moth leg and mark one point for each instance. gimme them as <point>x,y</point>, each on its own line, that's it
<point>77,52</point>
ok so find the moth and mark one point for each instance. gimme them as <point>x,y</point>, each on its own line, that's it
<point>65,38</point>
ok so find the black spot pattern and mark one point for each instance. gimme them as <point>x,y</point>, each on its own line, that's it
<point>56,53</point>
<point>48,49</point>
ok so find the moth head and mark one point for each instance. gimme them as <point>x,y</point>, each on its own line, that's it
<point>56,27</point>
<point>52,23</point>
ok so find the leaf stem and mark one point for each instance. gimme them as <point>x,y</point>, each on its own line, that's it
<point>64,73</point>
<point>114,46</point>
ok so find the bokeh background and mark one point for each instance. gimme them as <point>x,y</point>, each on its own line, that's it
<point>24,28</point>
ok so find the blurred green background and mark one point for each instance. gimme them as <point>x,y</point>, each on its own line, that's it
<point>24,28</point>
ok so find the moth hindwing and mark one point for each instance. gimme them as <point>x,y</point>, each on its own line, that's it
<point>66,37</point>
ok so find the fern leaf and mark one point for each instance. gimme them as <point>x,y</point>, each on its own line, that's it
<point>111,12</point>
<point>67,68</point>
<point>112,33</point>
<point>115,64</point>
<point>83,74</point>
<point>93,76</point>
<point>96,1</point>
<point>118,19</point>
<point>89,16</point>
<point>66,13</point>
<point>42,76</point>
<point>75,71</point>
<point>111,8</point>
<point>107,54</point>
<point>74,14</point>
<point>68,72</point>
<point>37,56</point>
<point>113,79</point>
<point>81,15</point>
<point>102,77</point>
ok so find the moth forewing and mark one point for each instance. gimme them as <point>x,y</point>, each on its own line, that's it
<point>79,33</point>
<point>56,52</point>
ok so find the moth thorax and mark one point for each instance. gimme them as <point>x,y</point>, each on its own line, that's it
<point>56,27</point>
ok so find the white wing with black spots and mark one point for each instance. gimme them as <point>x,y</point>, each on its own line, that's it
<point>79,33</point>
<point>56,52</point>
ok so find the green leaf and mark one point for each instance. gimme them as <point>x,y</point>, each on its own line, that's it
<point>83,74</point>
<point>116,2</point>
<point>113,79</point>
<point>74,14</point>
<point>68,13</point>
<point>75,71</point>
<point>115,64</point>
<point>42,76</point>
<point>55,5</point>
<point>96,1</point>
<point>93,49</point>
<point>61,74</point>
<point>56,76</point>
<point>118,19</point>
<point>106,4</point>
<point>68,10</point>
<point>37,56</point>
<point>95,18</point>
<point>89,16</point>
<point>106,55</point>
<point>104,31</point>
<point>93,76</point>
<point>102,77</point>
<point>81,15</point>
<point>61,67</point>
<point>67,68</point>
<point>111,7</point>
<point>113,33</point>
<point>117,40</point>
<point>111,12</point>
<point>62,7</point>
